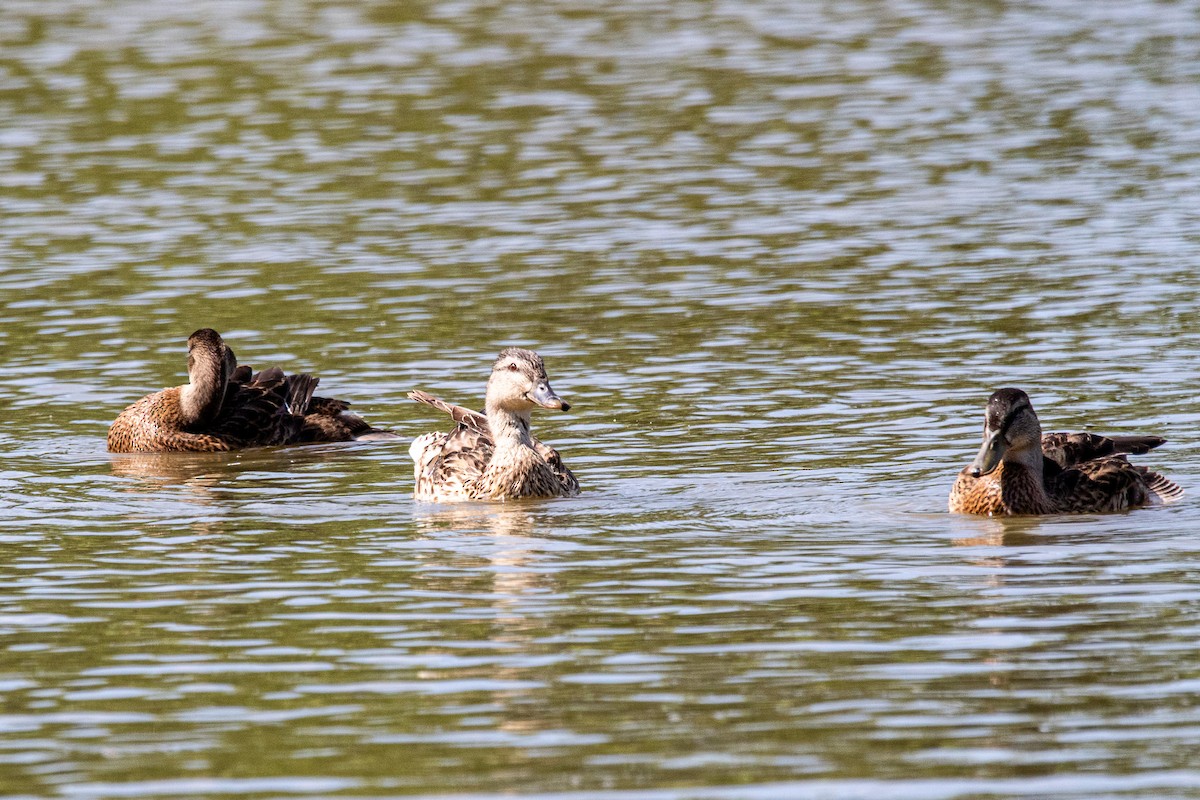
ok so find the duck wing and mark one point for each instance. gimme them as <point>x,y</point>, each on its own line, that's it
<point>448,463</point>
<point>567,478</point>
<point>258,411</point>
<point>1072,449</point>
<point>1110,484</point>
<point>463,416</point>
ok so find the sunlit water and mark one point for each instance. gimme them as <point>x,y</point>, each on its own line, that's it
<point>776,254</point>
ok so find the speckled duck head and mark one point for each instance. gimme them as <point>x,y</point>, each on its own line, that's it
<point>1010,425</point>
<point>518,384</point>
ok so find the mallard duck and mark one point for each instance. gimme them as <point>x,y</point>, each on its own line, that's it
<point>493,456</point>
<point>225,406</point>
<point>1020,471</point>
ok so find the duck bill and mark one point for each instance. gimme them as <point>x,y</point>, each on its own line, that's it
<point>989,455</point>
<point>545,397</point>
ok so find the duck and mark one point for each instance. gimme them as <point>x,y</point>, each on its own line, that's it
<point>1018,471</point>
<point>492,455</point>
<point>226,406</point>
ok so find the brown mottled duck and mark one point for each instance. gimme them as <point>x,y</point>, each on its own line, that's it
<point>493,456</point>
<point>1020,471</point>
<point>225,406</point>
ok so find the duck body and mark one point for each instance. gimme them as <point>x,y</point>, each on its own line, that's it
<point>1020,471</point>
<point>156,423</point>
<point>493,456</point>
<point>227,407</point>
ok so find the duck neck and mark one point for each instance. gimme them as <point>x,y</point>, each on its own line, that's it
<point>200,401</point>
<point>1023,482</point>
<point>510,429</point>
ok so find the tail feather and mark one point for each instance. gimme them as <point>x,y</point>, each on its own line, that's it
<point>327,420</point>
<point>1167,490</point>
<point>299,392</point>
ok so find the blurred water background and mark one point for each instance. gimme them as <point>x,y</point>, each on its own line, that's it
<point>776,254</point>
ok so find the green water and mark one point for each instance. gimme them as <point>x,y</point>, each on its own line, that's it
<point>776,256</point>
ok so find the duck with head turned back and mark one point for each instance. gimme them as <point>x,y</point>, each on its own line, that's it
<point>493,456</point>
<point>226,407</point>
<point>1020,471</point>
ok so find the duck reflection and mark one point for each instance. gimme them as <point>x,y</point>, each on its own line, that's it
<point>511,538</point>
<point>1003,532</point>
<point>162,469</point>
<point>165,485</point>
<point>208,469</point>
<point>506,532</point>
<point>198,473</point>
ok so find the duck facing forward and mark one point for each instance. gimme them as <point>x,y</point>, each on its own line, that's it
<point>494,456</point>
<point>1020,471</point>
<point>225,407</point>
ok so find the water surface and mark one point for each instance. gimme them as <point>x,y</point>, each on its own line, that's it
<point>776,255</point>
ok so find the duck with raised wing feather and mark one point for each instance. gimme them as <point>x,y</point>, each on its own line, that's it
<point>1020,471</point>
<point>493,456</point>
<point>226,406</point>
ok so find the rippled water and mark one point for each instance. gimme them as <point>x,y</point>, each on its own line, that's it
<point>776,255</point>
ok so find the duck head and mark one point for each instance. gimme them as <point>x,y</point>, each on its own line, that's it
<point>518,384</point>
<point>1010,425</point>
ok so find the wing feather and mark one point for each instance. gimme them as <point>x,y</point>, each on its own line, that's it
<point>1072,449</point>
